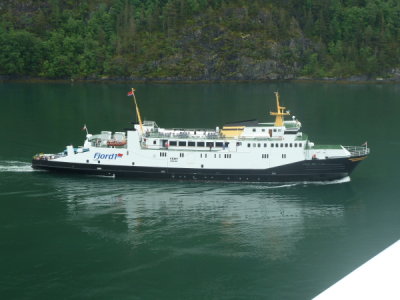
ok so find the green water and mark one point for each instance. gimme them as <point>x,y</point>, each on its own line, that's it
<point>71,237</point>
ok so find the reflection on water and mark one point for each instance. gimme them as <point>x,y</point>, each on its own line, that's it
<point>263,220</point>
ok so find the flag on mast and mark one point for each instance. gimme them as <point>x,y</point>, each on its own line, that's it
<point>131,93</point>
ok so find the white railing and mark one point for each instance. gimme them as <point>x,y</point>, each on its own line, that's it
<point>357,150</point>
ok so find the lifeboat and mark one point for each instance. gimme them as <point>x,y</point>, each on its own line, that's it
<point>116,143</point>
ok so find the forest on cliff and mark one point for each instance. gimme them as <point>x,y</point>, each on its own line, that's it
<point>199,39</point>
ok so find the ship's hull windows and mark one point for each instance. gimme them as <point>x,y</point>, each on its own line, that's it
<point>210,144</point>
<point>182,143</point>
<point>191,144</point>
<point>200,144</point>
<point>172,143</point>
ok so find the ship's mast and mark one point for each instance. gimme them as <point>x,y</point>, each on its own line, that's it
<point>137,111</point>
<point>280,113</point>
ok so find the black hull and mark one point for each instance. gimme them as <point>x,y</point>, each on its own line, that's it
<point>307,170</point>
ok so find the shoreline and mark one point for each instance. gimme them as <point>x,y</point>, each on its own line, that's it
<point>350,80</point>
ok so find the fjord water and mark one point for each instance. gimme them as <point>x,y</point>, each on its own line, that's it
<point>82,237</point>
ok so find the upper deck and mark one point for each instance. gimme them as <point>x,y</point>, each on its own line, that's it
<point>281,133</point>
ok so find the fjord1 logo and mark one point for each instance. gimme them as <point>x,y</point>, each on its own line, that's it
<point>107,156</point>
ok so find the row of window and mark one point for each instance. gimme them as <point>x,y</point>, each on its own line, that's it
<point>195,144</point>
<point>276,145</point>
<point>215,155</point>
<point>226,155</point>
<point>263,130</point>
<point>226,144</point>
<point>164,154</point>
<point>267,155</point>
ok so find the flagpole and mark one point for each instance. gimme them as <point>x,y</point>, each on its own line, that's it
<point>85,128</point>
<point>137,111</point>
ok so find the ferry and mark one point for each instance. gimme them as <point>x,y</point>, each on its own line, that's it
<point>245,151</point>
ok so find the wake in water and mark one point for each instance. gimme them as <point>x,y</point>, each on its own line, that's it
<point>342,180</point>
<point>15,166</point>
<point>293,184</point>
